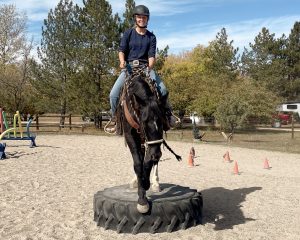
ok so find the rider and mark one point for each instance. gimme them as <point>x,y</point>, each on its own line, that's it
<point>137,48</point>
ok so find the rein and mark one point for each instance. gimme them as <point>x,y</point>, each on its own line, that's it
<point>138,125</point>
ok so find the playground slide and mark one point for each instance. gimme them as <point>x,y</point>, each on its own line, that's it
<point>7,131</point>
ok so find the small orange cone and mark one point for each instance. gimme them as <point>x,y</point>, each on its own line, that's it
<point>235,168</point>
<point>191,157</point>
<point>266,164</point>
<point>226,157</point>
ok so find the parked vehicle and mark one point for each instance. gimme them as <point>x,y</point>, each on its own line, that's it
<point>283,117</point>
<point>290,107</point>
<point>90,117</point>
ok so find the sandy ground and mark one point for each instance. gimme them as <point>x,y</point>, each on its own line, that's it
<point>47,192</point>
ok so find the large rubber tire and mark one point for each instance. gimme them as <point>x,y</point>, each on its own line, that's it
<point>172,209</point>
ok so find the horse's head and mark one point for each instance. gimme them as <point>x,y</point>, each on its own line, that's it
<point>151,118</point>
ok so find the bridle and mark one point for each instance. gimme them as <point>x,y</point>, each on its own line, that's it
<point>138,71</point>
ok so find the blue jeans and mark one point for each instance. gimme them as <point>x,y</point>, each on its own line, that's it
<point>115,91</point>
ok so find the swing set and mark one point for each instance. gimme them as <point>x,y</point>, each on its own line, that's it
<point>14,133</point>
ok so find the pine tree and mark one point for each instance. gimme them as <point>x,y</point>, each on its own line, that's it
<point>128,21</point>
<point>221,57</point>
<point>293,63</point>
<point>265,61</point>
<point>99,38</point>
<point>53,77</point>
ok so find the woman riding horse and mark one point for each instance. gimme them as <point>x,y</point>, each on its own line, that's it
<point>142,124</point>
<point>138,48</point>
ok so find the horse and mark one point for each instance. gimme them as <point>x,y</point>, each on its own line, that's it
<point>141,118</point>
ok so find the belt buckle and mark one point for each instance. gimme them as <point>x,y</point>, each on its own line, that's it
<point>135,63</point>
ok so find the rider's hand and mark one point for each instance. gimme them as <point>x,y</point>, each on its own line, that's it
<point>123,64</point>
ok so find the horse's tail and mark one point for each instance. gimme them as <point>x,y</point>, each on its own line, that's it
<point>167,146</point>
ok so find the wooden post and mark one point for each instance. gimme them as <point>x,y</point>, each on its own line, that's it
<point>70,121</point>
<point>37,122</point>
<point>1,122</point>
<point>293,130</point>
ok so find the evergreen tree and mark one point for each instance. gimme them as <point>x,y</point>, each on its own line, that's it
<point>99,39</point>
<point>54,76</point>
<point>293,63</point>
<point>161,56</point>
<point>221,58</point>
<point>128,21</point>
<point>265,61</point>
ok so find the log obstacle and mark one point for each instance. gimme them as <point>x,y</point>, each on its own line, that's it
<point>14,133</point>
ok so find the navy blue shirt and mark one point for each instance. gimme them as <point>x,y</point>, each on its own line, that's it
<point>138,47</point>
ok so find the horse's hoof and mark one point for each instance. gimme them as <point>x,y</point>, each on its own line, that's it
<point>155,188</point>
<point>142,208</point>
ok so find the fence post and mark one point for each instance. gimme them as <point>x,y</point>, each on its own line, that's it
<point>293,130</point>
<point>37,122</point>
<point>70,121</point>
<point>1,122</point>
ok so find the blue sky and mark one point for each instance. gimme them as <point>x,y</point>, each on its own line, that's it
<point>183,24</point>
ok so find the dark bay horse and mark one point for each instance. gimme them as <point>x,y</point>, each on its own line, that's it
<point>142,117</point>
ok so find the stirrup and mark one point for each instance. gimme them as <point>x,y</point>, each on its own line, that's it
<point>110,130</point>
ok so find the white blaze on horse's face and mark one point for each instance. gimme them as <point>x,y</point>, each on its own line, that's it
<point>155,124</point>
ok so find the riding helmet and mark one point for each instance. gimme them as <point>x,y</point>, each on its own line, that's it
<point>141,10</point>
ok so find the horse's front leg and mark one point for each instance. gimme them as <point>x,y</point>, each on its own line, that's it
<point>143,205</point>
<point>138,162</point>
<point>134,182</point>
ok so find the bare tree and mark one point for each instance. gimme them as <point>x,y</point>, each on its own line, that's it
<point>14,59</point>
<point>12,33</point>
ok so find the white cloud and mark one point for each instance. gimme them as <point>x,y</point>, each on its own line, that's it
<point>36,10</point>
<point>240,32</point>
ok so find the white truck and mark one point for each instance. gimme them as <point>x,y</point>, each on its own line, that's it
<point>289,107</point>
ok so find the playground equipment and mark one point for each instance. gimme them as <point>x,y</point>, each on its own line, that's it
<point>14,133</point>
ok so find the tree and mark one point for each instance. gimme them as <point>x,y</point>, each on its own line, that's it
<point>128,21</point>
<point>161,56</point>
<point>239,107</point>
<point>293,63</point>
<point>265,61</point>
<point>221,57</point>
<point>12,33</point>
<point>15,52</point>
<point>99,38</point>
<point>54,75</point>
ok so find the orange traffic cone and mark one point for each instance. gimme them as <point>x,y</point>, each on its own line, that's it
<point>226,157</point>
<point>191,157</point>
<point>266,164</point>
<point>191,160</point>
<point>235,168</point>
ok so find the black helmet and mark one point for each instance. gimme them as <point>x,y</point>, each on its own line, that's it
<point>141,10</point>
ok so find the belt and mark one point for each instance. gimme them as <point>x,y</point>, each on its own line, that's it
<point>137,63</point>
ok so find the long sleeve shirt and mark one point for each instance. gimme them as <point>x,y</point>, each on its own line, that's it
<point>138,47</point>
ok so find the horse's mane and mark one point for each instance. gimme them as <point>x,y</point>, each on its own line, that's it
<point>139,89</point>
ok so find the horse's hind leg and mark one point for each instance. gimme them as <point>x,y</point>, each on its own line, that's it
<point>155,179</point>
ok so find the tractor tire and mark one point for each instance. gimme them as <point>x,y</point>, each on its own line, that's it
<point>174,208</point>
